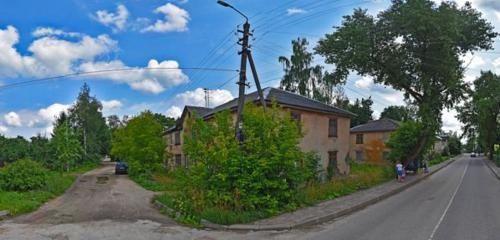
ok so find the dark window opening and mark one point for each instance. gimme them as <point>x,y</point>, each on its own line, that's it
<point>332,163</point>
<point>178,160</point>
<point>332,127</point>
<point>359,138</point>
<point>177,138</point>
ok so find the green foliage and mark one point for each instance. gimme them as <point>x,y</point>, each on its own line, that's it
<point>481,113</point>
<point>454,144</point>
<point>85,117</point>
<point>40,150</point>
<point>399,113</point>
<point>12,149</point>
<point>140,143</point>
<point>56,184</point>
<point>404,140</point>
<point>165,121</point>
<point>414,46</point>
<point>23,175</point>
<point>264,172</point>
<point>438,159</point>
<point>363,110</point>
<point>66,147</point>
<point>302,77</point>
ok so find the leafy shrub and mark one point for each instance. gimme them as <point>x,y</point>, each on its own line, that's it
<point>404,140</point>
<point>140,143</point>
<point>23,175</point>
<point>264,172</point>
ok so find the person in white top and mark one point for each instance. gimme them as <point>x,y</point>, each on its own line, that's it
<point>400,171</point>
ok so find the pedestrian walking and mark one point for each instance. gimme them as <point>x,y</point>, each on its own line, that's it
<point>400,171</point>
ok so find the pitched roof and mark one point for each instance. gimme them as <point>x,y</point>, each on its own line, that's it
<point>201,111</point>
<point>284,98</point>
<point>381,125</point>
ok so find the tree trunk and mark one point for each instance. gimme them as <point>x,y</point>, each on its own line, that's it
<point>418,149</point>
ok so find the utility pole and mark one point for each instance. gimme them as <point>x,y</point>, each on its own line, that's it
<point>245,55</point>
<point>243,77</point>
<point>207,97</point>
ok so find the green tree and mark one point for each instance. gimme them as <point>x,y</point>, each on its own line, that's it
<point>66,147</point>
<point>140,143</point>
<point>414,46</point>
<point>454,144</point>
<point>481,113</point>
<point>114,122</point>
<point>399,113</point>
<point>302,77</point>
<point>262,173</point>
<point>86,119</point>
<point>165,121</point>
<point>40,150</point>
<point>404,139</point>
<point>363,110</point>
<point>13,149</point>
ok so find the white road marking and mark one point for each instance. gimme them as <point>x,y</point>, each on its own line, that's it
<point>449,203</point>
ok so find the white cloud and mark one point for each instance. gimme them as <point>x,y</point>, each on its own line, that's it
<point>12,119</point>
<point>50,55</point>
<point>473,61</point>
<point>496,63</point>
<point>117,21</point>
<point>49,114</point>
<point>142,79</point>
<point>111,104</point>
<point>48,31</point>
<point>53,56</point>
<point>174,112</point>
<point>450,122</point>
<point>197,97</point>
<point>364,83</point>
<point>175,20</point>
<point>293,11</point>
<point>3,129</point>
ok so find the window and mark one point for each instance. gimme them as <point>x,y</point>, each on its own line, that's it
<point>332,163</point>
<point>359,138</point>
<point>177,138</point>
<point>178,160</point>
<point>332,127</point>
<point>296,117</point>
<point>359,156</point>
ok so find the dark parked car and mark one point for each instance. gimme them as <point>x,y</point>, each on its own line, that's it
<point>121,168</point>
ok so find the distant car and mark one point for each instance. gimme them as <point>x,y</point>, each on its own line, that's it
<point>473,155</point>
<point>121,168</point>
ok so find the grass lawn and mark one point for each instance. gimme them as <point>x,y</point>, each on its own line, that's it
<point>362,176</point>
<point>22,202</point>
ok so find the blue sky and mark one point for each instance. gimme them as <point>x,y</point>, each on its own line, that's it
<point>55,37</point>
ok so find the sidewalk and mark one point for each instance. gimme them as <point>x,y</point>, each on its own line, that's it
<point>494,168</point>
<point>329,210</point>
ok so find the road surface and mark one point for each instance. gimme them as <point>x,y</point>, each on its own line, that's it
<point>462,201</point>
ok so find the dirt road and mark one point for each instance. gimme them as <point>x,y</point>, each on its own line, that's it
<point>98,195</point>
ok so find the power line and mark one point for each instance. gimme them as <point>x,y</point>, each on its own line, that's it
<point>75,74</point>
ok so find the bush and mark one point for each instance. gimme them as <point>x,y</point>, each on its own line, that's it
<point>262,173</point>
<point>404,140</point>
<point>23,175</point>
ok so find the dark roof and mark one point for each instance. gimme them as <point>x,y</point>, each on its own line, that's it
<point>284,98</point>
<point>201,111</point>
<point>381,125</point>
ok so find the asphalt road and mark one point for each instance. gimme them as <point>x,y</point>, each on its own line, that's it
<point>461,201</point>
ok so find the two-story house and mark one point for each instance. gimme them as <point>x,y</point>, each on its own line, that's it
<point>368,140</point>
<point>325,128</point>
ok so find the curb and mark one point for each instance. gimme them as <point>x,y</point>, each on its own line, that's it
<point>322,219</point>
<point>492,168</point>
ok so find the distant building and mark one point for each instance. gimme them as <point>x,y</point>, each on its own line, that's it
<point>325,127</point>
<point>368,140</point>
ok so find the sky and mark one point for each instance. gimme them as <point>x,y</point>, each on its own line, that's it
<point>41,39</point>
